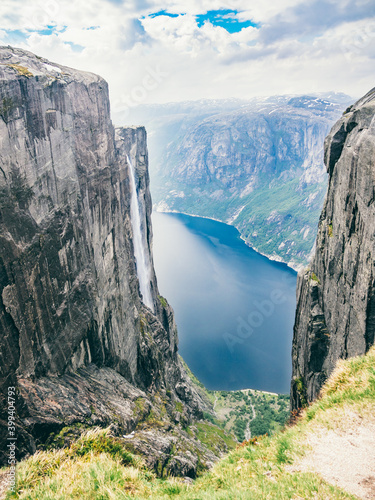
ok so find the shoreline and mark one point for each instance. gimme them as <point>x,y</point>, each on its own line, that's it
<point>250,390</point>
<point>296,268</point>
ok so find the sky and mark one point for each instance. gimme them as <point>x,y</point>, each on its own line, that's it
<point>156,52</point>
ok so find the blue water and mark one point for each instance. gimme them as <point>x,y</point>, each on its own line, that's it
<point>234,308</point>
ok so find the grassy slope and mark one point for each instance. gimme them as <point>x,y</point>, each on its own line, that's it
<point>96,468</point>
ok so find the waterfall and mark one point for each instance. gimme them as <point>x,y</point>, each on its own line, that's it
<point>140,252</point>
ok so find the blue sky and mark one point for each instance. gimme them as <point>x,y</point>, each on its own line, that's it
<point>163,13</point>
<point>157,52</point>
<point>224,18</point>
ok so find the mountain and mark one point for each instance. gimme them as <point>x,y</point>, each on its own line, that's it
<point>89,368</point>
<point>327,450</point>
<point>86,339</point>
<point>335,317</point>
<point>255,164</point>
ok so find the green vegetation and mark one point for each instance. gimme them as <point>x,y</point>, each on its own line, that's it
<point>6,107</point>
<point>273,219</point>
<point>277,216</point>
<point>153,420</point>
<point>98,441</point>
<point>16,192</point>
<point>330,230</point>
<point>209,395</point>
<point>65,437</point>
<point>96,466</point>
<point>20,190</point>
<point>315,278</point>
<point>162,301</point>
<point>143,325</point>
<point>251,412</point>
<point>300,386</point>
<point>352,383</point>
<point>214,438</point>
<point>88,449</point>
<point>244,412</point>
<point>179,407</point>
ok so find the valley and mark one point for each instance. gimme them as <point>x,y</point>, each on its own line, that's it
<point>121,378</point>
<point>257,165</point>
<point>234,308</point>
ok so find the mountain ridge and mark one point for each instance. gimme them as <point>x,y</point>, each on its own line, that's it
<point>256,165</point>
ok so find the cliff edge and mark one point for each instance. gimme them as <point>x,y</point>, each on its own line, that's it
<point>85,337</point>
<point>335,317</point>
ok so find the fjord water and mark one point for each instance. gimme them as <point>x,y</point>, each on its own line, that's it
<point>234,307</point>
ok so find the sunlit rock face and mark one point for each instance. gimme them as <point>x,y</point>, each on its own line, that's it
<point>76,336</point>
<point>335,316</point>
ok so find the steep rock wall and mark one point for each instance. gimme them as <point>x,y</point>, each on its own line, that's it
<point>336,295</point>
<point>76,339</point>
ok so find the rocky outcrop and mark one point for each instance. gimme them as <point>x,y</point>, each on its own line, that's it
<point>77,339</point>
<point>335,316</point>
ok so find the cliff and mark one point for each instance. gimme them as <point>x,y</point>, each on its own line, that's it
<point>335,317</point>
<point>85,337</point>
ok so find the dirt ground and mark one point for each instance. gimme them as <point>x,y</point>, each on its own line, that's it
<point>3,485</point>
<point>344,457</point>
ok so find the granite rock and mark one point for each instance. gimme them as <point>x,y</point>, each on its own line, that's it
<point>76,338</point>
<point>335,317</point>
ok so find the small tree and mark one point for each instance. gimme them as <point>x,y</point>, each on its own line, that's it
<point>20,191</point>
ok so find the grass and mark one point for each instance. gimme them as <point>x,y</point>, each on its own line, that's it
<point>96,454</point>
<point>235,410</point>
<point>92,477</point>
<point>214,438</point>
<point>163,301</point>
<point>352,383</point>
<point>315,278</point>
<point>21,70</point>
<point>93,468</point>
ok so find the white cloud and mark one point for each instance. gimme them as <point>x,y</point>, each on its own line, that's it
<point>296,49</point>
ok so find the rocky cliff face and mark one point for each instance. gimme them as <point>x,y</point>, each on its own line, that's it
<point>335,316</point>
<point>256,164</point>
<point>77,339</point>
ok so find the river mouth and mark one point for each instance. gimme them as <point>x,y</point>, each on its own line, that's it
<point>234,307</point>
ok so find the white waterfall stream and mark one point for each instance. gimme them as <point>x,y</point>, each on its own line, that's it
<point>139,241</point>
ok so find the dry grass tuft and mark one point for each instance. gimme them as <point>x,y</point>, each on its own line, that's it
<point>21,70</point>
